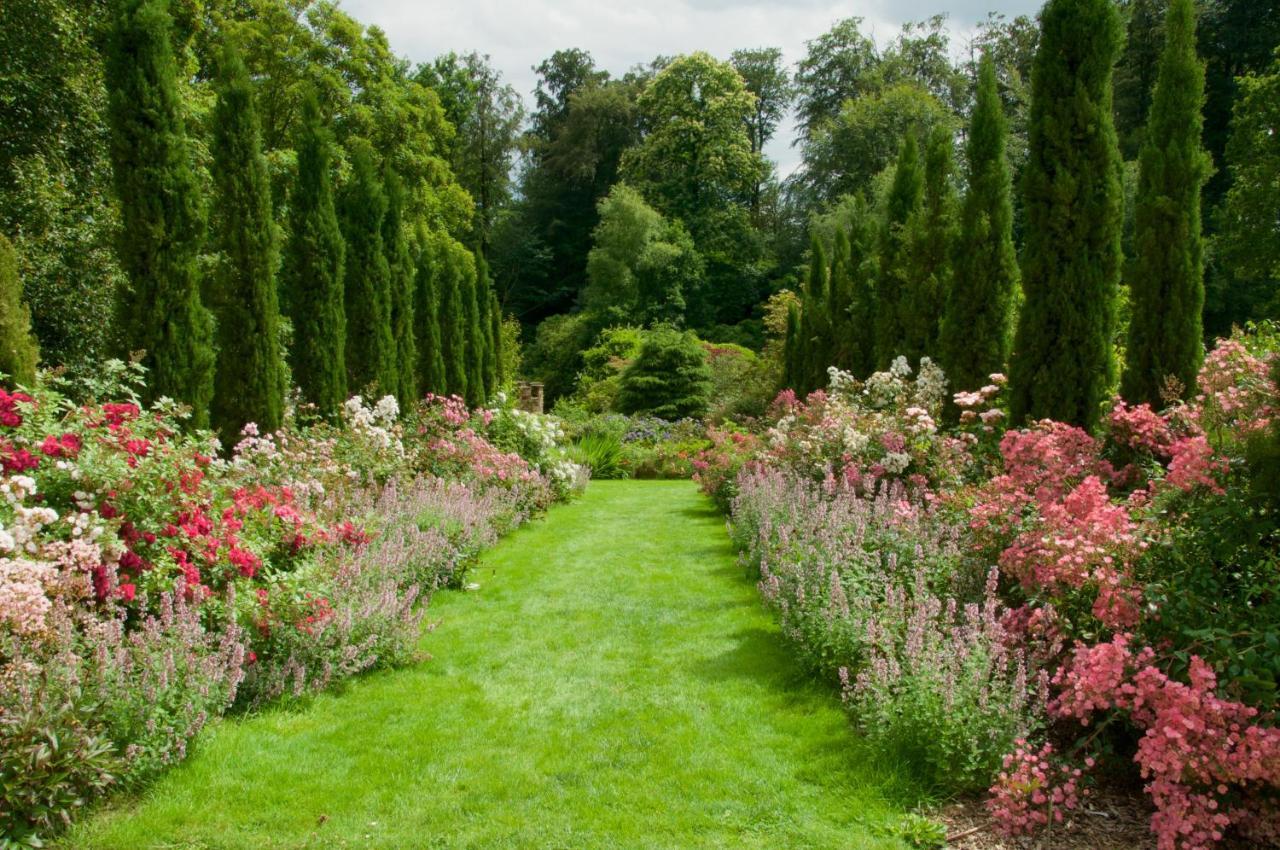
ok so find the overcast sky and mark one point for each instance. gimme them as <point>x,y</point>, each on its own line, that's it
<point>518,34</point>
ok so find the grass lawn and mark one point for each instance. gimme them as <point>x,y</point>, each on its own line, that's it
<point>614,683</point>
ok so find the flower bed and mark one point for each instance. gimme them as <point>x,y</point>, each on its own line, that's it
<point>148,585</point>
<point>1040,609</point>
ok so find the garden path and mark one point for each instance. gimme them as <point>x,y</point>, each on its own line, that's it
<point>613,683</point>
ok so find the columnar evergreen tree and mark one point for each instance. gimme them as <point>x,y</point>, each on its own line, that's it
<point>400,263</point>
<point>426,316</point>
<point>1166,283</point>
<point>792,351</point>
<point>859,340</point>
<point>499,353</point>
<point>840,294</point>
<point>312,273</point>
<point>930,235</point>
<point>371,345</point>
<point>977,323</point>
<point>904,200</point>
<point>815,325</point>
<point>250,383</point>
<point>450,274</point>
<point>468,292</point>
<point>484,301</point>
<point>18,353</point>
<point>1063,361</point>
<point>159,311</point>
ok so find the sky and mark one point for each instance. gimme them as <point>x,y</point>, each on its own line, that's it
<point>518,34</point>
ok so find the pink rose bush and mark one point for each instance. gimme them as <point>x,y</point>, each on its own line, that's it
<point>150,582</point>
<point>1013,608</point>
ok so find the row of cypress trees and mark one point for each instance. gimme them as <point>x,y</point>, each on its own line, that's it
<point>931,282</point>
<point>375,303</point>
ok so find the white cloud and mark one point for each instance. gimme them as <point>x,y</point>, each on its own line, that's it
<point>622,33</point>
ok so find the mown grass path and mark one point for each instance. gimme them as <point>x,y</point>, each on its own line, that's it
<point>614,683</point>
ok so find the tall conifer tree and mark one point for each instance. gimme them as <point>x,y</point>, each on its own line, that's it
<point>904,200</point>
<point>371,346</point>
<point>313,271</point>
<point>484,302</point>
<point>1063,359</point>
<point>861,334</point>
<point>930,235</point>
<point>401,266</point>
<point>18,352</point>
<point>977,324</point>
<point>468,291</point>
<point>1166,283</point>
<point>815,330</point>
<point>158,310</point>
<point>453,327</point>
<point>250,381</point>
<point>499,350</point>
<point>426,316</point>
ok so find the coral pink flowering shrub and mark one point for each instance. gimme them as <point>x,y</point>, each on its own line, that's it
<point>1208,764</point>
<point>1035,790</point>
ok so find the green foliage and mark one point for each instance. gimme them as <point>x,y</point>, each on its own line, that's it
<point>600,379</point>
<point>1247,217</point>
<point>930,236</point>
<point>489,341</point>
<point>55,174</point>
<point>641,266</point>
<point>400,263</point>
<point>18,352</point>
<point>453,272</point>
<point>427,330</point>
<point>502,370</point>
<point>696,164</point>
<point>1166,281</point>
<point>250,383</point>
<point>1216,580</point>
<point>977,321</point>
<point>162,227</point>
<point>865,137</point>
<point>362,209</point>
<point>601,452</point>
<point>894,282</point>
<point>469,286</point>
<point>583,124</point>
<point>1063,363</point>
<point>312,275</point>
<point>669,378</point>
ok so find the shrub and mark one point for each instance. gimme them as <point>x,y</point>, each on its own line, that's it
<point>669,377</point>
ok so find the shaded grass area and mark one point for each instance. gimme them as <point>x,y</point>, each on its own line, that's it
<point>614,683</point>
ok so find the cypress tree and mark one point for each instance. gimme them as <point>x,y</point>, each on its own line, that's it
<point>814,322</point>
<point>904,200</point>
<point>402,268</point>
<point>158,310</point>
<point>861,333</point>
<point>426,317</point>
<point>250,381</point>
<point>839,302</point>
<point>371,346</point>
<point>18,352</point>
<point>1063,363</point>
<point>484,301</point>
<point>1166,283</point>
<point>792,355</point>
<point>978,319</point>
<point>499,349</point>
<point>930,235</point>
<point>453,329</point>
<point>468,292</point>
<point>312,274</point>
